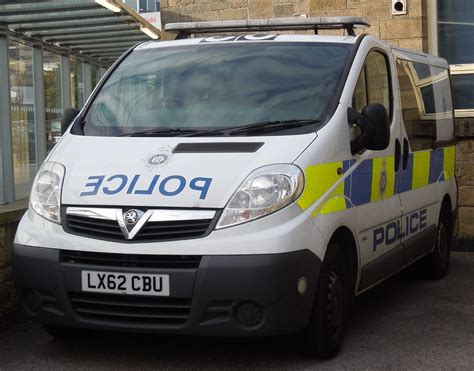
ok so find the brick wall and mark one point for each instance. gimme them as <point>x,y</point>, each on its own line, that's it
<point>407,31</point>
<point>465,177</point>
<point>9,219</point>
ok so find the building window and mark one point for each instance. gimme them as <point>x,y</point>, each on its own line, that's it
<point>22,117</point>
<point>142,6</point>
<point>462,80</point>
<point>53,97</point>
<point>132,4</point>
<point>456,30</point>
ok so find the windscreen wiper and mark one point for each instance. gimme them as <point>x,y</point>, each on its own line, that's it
<point>264,126</point>
<point>257,127</point>
<point>161,132</point>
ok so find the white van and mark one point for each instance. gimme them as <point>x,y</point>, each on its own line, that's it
<point>242,185</point>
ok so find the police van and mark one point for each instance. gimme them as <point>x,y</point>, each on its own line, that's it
<point>248,184</point>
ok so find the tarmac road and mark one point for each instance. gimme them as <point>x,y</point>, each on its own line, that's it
<point>403,324</point>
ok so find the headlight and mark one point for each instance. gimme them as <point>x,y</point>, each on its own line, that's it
<point>265,191</point>
<point>45,196</point>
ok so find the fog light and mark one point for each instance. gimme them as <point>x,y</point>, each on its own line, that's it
<point>248,314</point>
<point>302,285</point>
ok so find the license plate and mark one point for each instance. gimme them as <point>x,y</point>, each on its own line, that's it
<point>126,283</point>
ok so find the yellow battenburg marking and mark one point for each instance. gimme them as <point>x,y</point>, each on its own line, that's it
<point>319,179</point>
<point>336,202</point>
<point>383,178</point>
<point>421,169</point>
<point>449,161</point>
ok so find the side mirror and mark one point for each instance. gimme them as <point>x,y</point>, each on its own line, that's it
<point>68,117</point>
<point>374,127</point>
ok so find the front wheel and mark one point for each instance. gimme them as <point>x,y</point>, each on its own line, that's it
<point>327,327</point>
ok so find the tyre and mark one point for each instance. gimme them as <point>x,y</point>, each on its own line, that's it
<point>63,333</point>
<point>436,264</point>
<point>326,330</point>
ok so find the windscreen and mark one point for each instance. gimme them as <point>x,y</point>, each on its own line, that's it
<point>212,86</point>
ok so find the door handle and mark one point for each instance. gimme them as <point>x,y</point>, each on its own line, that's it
<point>398,155</point>
<point>406,153</point>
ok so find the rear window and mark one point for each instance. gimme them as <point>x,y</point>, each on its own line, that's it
<point>216,86</point>
<point>427,107</point>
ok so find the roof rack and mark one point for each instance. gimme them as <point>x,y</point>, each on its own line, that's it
<point>185,29</point>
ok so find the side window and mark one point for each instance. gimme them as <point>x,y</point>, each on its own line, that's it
<point>427,109</point>
<point>373,85</point>
<point>359,100</point>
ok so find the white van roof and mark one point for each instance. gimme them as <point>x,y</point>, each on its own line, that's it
<point>278,38</point>
<point>420,57</point>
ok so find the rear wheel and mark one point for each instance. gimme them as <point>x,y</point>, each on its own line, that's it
<point>325,333</point>
<point>436,264</point>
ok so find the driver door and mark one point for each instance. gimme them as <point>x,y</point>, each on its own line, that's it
<point>374,180</point>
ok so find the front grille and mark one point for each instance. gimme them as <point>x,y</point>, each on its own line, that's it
<point>131,260</point>
<point>131,309</point>
<point>151,231</point>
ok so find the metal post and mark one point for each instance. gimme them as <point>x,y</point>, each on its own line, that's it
<point>87,76</point>
<point>432,12</point>
<point>65,82</point>
<point>7,185</point>
<point>40,110</point>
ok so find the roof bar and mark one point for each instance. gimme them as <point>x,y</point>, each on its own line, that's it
<point>185,29</point>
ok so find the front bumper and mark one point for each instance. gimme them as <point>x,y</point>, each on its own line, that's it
<point>211,295</point>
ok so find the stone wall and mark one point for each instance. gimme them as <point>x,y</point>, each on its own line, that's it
<point>9,218</point>
<point>408,31</point>
<point>465,177</point>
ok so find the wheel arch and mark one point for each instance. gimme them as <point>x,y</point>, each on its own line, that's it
<point>446,210</point>
<point>344,237</point>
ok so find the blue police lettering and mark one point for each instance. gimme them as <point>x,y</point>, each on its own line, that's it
<point>132,184</point>
<point>121,185</point>
<point>423,218</point>
<point>391,233</point>
<point>400,232</point>
<point>379,236</point>
<point>413,226</point>
<point>169,186</point>
<point>204,187</point>
<point>96,185</point>
<point>395,231</point>
<point>150,188</point>
<point>179,189</point>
